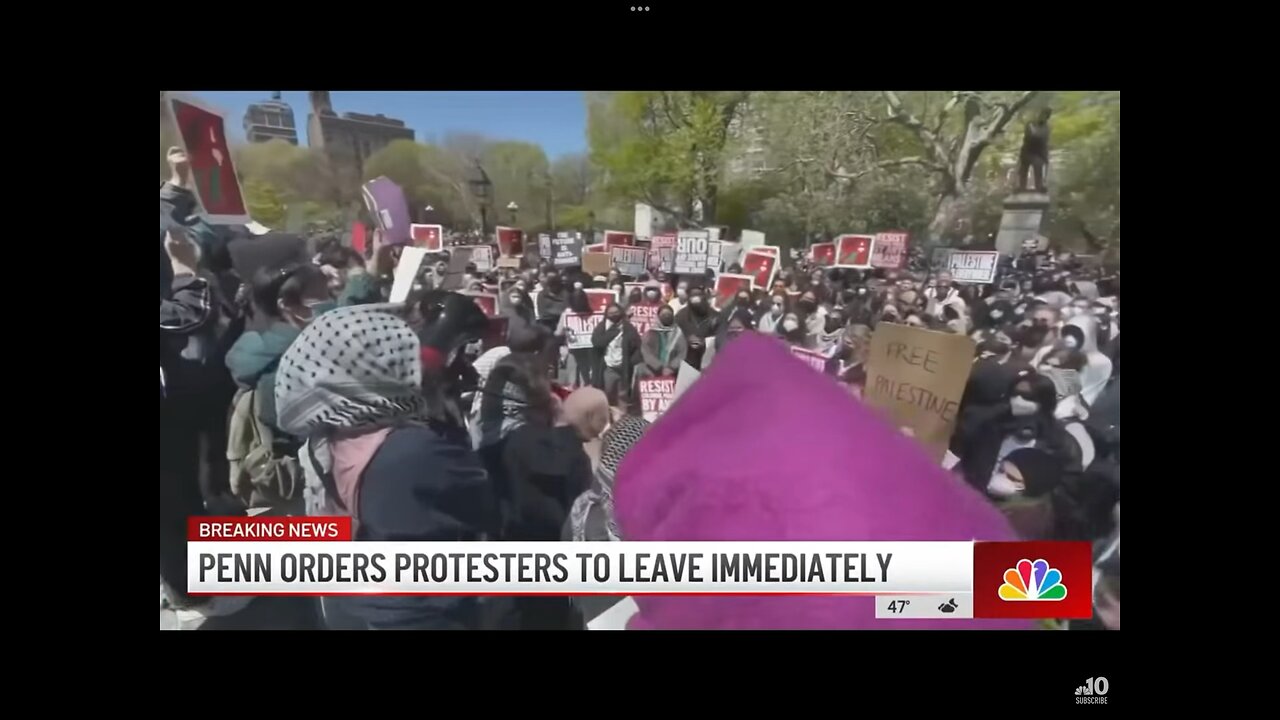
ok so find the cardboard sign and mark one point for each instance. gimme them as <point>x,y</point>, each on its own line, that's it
<point>510,241</point>
<point>578,328</point>
<point>406,272</point>
<point>202,135</point>
<point>812,358</point>
<point>600,298</point>
<point>917,377</point>
<point>643,315</point>
<point>430,237</point>
<point>973,266</point>
<point>486,302</point>
<point>761,267</point>
<point>594,247</point>
<point>751,240</point>
<point>656,396</point>
<point>385,202</point>
<point>662,253</point>
<point>890,251</point>
<point>644,220</point>
<point>616,238</point>
<point>509,262</point>
<point>629,260</point>
<point>566,249</point>
<point>596,263</point>
<point>727,286</point>
<point>692,247</point>
<point>823,254</point>
<point>544,247</point>
<point>854,251</point>
<point>358,238</point>
<point>482,256</point>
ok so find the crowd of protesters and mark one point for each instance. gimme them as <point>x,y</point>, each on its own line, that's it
<point>289,382</point>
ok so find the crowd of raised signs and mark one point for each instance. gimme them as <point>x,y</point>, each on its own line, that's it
<point>457,395</point>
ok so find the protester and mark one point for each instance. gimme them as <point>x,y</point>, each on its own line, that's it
<point>1024,485</point>
<point>552,301</point>
<point>580,361</point>
<point>792,330</point>
<point>681,297</point>
<point>768,322</point>
<point>1082,332</point>
<point>663,347</point>
<point>348,280</point>
<point>828,340</point>
<point>616,343</point>
<point>698,322</point>
<point>518,311</point>
<point>399,476</point>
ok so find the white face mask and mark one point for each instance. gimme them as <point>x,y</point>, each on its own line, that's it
<point>515,299</point>
<point>695,300</point>
<point>1070,343</point>
<point>1003,486</point>
<point>790,325</point>
<point>682,293</point>
<point>1022,407</point>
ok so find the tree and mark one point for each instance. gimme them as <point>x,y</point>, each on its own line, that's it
<point>1085,174</point>
<point>518,171</point>
<point>664,148</point>
<point>429,175</point>
<point>264,202</point>
<point>572,178</point>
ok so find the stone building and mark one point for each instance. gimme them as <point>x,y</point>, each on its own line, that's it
<point>270,120</point>
<point>350,139</point>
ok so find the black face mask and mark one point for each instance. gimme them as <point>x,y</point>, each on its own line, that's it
<point>808,305</point>
<point>833,324</point>
<point>635,297</point>
<point>743,301</point>
<point>666,320</point>
<point>615,319</point>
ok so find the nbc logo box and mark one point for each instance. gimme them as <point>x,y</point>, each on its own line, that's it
<point>1033,580</point>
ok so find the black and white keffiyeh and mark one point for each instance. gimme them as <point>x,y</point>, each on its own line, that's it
<point>591,517</point>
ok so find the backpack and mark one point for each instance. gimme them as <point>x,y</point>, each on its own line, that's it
<point>260,475</point>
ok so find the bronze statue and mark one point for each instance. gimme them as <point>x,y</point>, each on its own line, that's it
<point>1035,151</point>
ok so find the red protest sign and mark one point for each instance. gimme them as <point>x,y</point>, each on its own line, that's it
<point>656,396</point>
<point>761,267</point>
<point>430,237</point>
<point>357,237</point>
<point>823,254</point>
<point>812,358</point>
<point>615,238</point>
<point>890,251</point>
<point>643,316</point>
<point>203,136</point>
<point>600,298</point>
<point>486,302</point>
<point>595,248</point>
<point>510,241</point>
<point>727,286</point>
<point>854,251</point>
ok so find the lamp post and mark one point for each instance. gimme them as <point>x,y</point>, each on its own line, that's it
<point>591,227</point>
<point>482,188</point>
<point>551,218</point>
<point>513,208</point>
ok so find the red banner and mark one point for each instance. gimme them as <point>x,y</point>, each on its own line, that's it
<point>890,251</point>
<point>854,251</point>
<point>600,298</point>
<point>430,237</point>
<point>761,267</point>
<point>510,241</point>
<point>204,138</point>
<point>357,237</point>
<point>823,254</point>
<point>812,358</point>
<point>727,286</point>
<point>616,238</point>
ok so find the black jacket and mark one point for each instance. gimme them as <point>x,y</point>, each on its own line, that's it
<point>423,484</point>
<point>547,470</point>
<point>600,340</point>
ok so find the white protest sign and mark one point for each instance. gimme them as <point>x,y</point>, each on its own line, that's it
<point>973,266</point>
<point>644,220</point>
<point>629,260</point>
<point>578,328</point>
<point>482,256</point>
<point>410,260</point>
<point>691,252</point>
<point>751,239</point>
<point>713,255</point>
<point>686,376</point>
<point>656,395</point>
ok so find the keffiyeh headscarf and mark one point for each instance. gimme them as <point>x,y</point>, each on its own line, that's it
<point>352,369</point>
<point>592,515</point>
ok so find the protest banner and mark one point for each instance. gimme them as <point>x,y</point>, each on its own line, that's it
<point>509,262</point>
<point>730,254</point>
<point>917,376</point>
<point>812,358</point>
<point>973,266</point>
<point>751,240</point>
<point>459,258</point>
<point>644,220</point>
<point>406,273</point>
<point>662,253</point>
<point>203,137</point>
<point>715,262</point>
<point>510,241</point>
<point>727,286</point>
<point>628,260</point>
<point>643,243</point>
<point>691,252</point>
<point>358,238</point>
<point>430,237</point>
<point>890,251</point>
<point>482,256</point>
<point>627,287</point>
<point>386,204</point>
<point>773,250</point>
<point>578,328</point>
<point>761,267</point>
<point>599,298</point>
<point>656,395</point>
<point>823,254</point>
<point>566,249</point>
<point>615,238</point>
<point>643,315</point>
<point>595,248</point>
<point>485,301</point>
<point>596,263</point>
<point>544,247</point>
<point>854,251</point>
<point>685,377</point>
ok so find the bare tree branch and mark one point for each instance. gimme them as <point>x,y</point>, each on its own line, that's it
<point>983,136</point>
<point>666,108</point>
<point>899,114</point>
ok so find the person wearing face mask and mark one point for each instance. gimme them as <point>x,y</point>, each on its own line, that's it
<point>681,298</point>
<point>942,291</point>
<point>1062,367</point>
<point>698,322</point>
<point>813,317</point>
<point>552,301</point>
<point>579,364</point>
<point>791,329</point>
<point>518,310</point>
<point>662,348</point>
<point>768,322</point>
<point>285,300</point>
<point>635,297</point>
<point>1080,333</point>
<point>1027,422</point>
<point>653,295</point>
<point>1023,488</point>
<point>616,342</point>
<point>828,340</point>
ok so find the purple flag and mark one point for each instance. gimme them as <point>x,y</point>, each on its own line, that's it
<point>387,205</point>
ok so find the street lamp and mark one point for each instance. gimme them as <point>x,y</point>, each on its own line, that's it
<point>513,208</point>
<point>482,188</point>
<point>591,227</point>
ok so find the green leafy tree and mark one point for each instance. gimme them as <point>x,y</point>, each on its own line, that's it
<point>1085,171</point>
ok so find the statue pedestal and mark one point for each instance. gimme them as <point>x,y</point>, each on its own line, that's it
<point>1023,215</point>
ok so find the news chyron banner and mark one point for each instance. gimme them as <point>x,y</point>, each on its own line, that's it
<point>316,556</point>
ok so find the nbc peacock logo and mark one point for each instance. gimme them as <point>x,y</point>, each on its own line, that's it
<point>1032,581</point>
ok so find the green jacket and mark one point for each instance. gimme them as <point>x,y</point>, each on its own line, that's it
<point>253,361</point>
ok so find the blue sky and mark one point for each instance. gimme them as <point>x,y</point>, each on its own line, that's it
<point>555,120</point>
